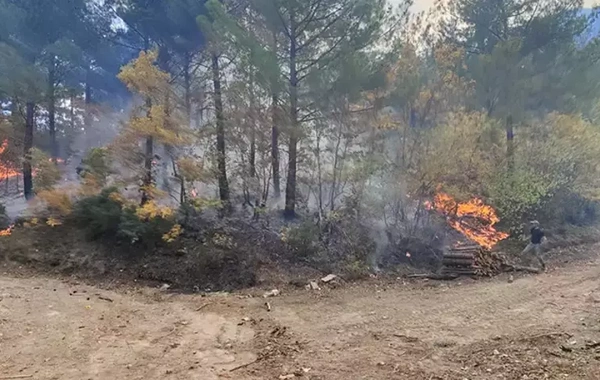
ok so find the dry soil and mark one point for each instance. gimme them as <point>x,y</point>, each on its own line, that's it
<point>537,327</point>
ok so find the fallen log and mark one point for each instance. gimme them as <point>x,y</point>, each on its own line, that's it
<point>459,257</point>
<point>434,276</point>
<point>459,272</point>
<point>459,262</point>
<point>519,268</point>
<point>463,249</point>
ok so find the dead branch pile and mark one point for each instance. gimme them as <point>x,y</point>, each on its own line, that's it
<point>488,263</point>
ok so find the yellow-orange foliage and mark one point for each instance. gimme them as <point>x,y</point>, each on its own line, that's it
<point>143,77</point>
<point>151,210</point>
<point>57,202</point>
<point>173,234</point>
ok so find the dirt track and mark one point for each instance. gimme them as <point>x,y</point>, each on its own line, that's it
<point>539,327</point>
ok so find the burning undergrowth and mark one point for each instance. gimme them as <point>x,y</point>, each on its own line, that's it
<point>6,171</point>
<point>473,219</point>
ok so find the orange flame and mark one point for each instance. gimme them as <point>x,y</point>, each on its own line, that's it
<point>7,232</point>
<point>474,219</point>
<point>5,171</point>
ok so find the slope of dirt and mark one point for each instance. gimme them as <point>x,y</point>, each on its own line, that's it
<point>537,327</point>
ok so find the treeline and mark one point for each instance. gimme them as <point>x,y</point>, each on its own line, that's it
<point>328,105</point>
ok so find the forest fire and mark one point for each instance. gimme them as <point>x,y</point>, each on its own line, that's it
<point>474,219</point>
<point>5,171</point>
<point>7,232</point>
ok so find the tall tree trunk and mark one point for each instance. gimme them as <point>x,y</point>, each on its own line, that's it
<point>221,154</point>
<point>252,117</point>
<point>510,143</point>
<point>187,82</point>
<point>27,146</point>
<point>275,133</point>
<point>275,146</point>
<point>290,190</point>
<point>52,108</point>
<point>253,153</point>
<point>147,181</point>
<point>87,118</point>
<point>72,111</point>
<point>335,168</point>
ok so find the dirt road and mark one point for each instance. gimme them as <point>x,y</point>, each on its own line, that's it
<point>538,327</point>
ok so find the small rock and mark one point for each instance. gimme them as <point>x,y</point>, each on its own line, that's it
<point>381,364</point>
<point>286,377</point>
<point>314,286</point>
<point>511,279</point>
<point>164,287</point>
<point>496,352</point>
<point>272,293</point>
<point>328,278</point>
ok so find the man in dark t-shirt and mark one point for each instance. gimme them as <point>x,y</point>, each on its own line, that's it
<point>535,245</point>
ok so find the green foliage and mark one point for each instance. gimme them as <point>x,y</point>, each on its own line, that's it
<point>99,216</point>
<point>96,166</point>
<point>518,196</point>
<point>337,244</point>
<point>148,232</point>
<point>104,216</point>
<point>303,240</point>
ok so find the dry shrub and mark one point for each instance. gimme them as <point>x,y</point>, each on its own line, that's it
<point>339,243</point>
<point>53,203</point>
<point>47,174</point>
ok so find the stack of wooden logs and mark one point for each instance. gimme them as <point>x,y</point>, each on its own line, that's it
<point>471,260</point>
<point>460,260</point>
<point>489,263</point>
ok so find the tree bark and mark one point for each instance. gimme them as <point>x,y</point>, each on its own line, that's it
<point>275,147</point>
<point>275,120</point>
<point>290,190</point>
<point>187,81</point>
<point>27,146</point>
<point>87,119</point>
<point>52,108</point>
<point>510,143</point>
<point>148,158</point>
<point>221,154</point>
<point>252,117</point>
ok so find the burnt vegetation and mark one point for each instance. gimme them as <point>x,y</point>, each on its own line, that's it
<point>210,144</point>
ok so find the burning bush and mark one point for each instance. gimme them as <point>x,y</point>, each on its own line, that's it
<point>553,160</point>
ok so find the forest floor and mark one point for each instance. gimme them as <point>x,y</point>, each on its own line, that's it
<point>537,327</point>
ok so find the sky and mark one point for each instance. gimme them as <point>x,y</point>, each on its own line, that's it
<point>422,5</point>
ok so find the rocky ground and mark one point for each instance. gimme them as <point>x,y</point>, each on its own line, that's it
<point>535,327</point>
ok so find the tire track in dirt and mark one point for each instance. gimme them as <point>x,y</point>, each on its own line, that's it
<point>359,329</point>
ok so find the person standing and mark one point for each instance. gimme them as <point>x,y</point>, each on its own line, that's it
<point>535,244</point>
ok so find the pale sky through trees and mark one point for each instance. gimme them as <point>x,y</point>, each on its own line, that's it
<point>421,5</point>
